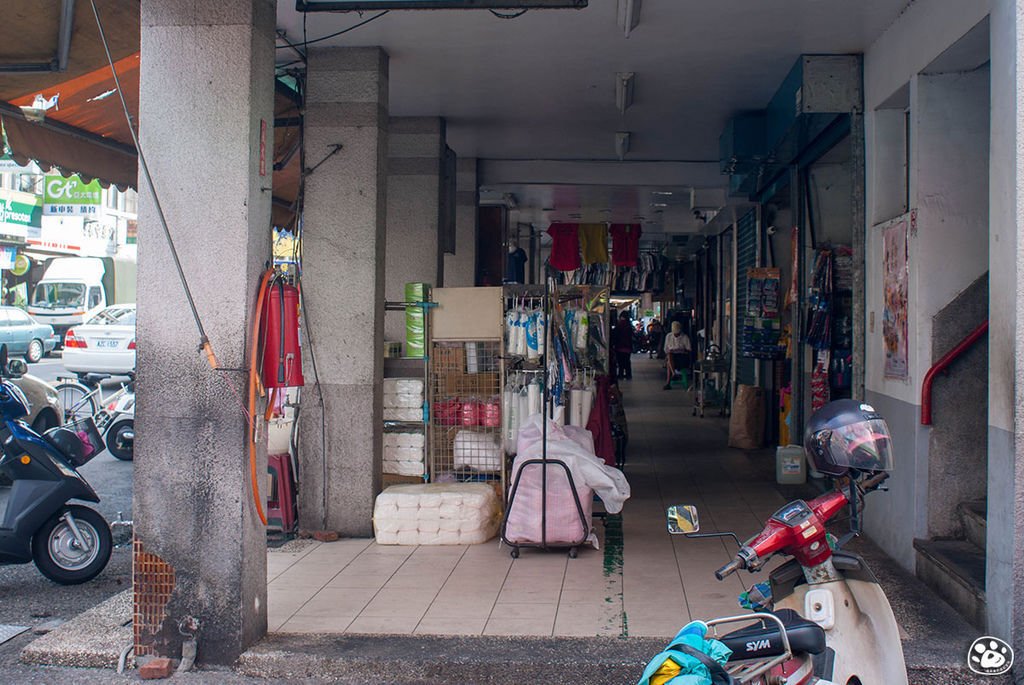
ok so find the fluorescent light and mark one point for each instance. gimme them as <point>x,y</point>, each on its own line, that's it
<point>624,90</point>
<point>622,144</point>
<point>629,15</point>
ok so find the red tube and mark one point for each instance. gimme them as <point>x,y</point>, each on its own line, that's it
<point>942,365</point>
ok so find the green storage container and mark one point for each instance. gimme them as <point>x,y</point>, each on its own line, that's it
<point>415,320</point>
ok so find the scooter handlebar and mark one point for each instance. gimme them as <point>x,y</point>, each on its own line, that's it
<point>875,481</point>
<point>729,569</point>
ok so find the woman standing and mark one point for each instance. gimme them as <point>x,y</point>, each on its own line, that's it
<point>622,342</point>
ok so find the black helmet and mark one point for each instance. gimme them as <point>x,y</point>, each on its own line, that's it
<point>847,434</point>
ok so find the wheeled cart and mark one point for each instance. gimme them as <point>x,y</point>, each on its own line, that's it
<point>711,382</point>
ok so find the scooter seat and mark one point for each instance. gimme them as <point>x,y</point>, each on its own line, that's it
<point>757,642</point>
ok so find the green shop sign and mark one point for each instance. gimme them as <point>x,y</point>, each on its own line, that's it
<point>70,196</point>
<point>18,213</point>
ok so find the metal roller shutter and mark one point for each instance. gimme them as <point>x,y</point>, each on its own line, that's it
<point>746,258</point>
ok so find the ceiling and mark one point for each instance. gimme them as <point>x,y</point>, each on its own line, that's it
<point>543,86</point>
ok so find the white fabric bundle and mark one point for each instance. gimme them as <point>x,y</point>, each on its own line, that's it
<point>396,386</point>
<point>403,467</point>
<point>403,454</point>
<point>413,440</point>
<point>402,400</point>
<point>436,514</point>
<point>403,413</point>
<point>478,451</point>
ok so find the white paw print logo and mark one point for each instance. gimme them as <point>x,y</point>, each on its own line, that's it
<point>990,656</point>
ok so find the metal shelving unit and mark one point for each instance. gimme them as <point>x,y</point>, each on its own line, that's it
<point>412,367</point>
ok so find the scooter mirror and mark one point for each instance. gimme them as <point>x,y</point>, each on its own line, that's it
<point>683,519</point>
<point>16,368</point>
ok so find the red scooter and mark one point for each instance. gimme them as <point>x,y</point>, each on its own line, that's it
<point>834,623</point>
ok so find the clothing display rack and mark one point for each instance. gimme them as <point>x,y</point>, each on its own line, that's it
<point>564,335</point>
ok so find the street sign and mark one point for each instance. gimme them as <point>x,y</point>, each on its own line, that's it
<point>70,196</point>
<point>362,5</point>
<point>18,213</point>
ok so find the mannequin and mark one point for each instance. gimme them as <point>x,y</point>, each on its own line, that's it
<point>515,271</point>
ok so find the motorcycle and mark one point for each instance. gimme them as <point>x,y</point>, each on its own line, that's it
<point>69,543</point>
<point>835,624</point>
<point>116,422</point>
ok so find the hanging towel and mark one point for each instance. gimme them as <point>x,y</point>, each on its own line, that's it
<point>594,243</point>
<point>625,244</point>
<point>565,250</point>
<point>600,423</point>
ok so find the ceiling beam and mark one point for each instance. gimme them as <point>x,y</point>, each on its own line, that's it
<point>67,24</point>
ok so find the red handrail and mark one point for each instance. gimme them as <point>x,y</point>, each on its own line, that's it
<point>942,365</point>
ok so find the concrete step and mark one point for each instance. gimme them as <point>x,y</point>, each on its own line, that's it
<point>955,570</point>
<point>974,514</point>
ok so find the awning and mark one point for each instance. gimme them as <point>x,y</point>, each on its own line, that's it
<point>87,133</point>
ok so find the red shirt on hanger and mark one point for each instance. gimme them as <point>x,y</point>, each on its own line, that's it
<point>565,249</point>
<point>625,244</point>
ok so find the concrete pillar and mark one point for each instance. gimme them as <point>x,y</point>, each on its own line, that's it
<point>1005,575</point>
<point>460,268</point>
<point>200,550</point>
<point>343,278</point>
<point>415,173</point>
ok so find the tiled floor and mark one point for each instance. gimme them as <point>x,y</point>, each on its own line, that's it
<point>650,584</point>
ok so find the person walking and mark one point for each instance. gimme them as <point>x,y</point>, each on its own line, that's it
<point>622,342</point>
<point>677,349</point>
<point>654,333</point>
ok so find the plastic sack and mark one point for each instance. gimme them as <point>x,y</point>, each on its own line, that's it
<point>446,412</point>
<point>490,413</point>
<point>413,440</point>
<point>436,514</point>
<point>477,451</point>
<point>406,414</point>
<point>415,319</point>
<point>575,446</point>
<point>469,413</point>
<point>402,400</point>
<point>395,386</point>
<point>563,523</point>
<point>746,424</point>
<point>402,467</point>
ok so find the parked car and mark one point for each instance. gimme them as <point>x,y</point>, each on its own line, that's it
<point>24,336</point>
<point>104,344</point>
<point>45,410</point>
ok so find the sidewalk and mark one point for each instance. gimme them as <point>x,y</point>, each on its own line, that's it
<point>641,583</point>
<point>352,611</point>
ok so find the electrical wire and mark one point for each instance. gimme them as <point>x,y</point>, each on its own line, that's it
<point>204,340</point>
<point>305,43</point>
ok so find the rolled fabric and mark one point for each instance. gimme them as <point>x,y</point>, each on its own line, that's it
<point>579,418</point>
<point>533,399</point>
<point>587,401</point>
